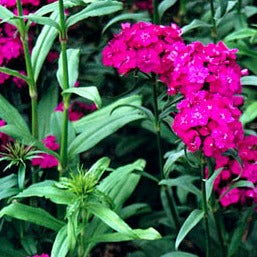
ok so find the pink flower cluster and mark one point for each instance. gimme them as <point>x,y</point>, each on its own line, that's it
<point>209,79</point>
<point>10,44</point>
<point>45,160</point>
<point>77,109</point>
<point>143,46</point>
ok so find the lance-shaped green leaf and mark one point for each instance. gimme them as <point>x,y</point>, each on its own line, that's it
<point>14,73</point>
<point>111,219</point>
<point>172,156</point>
<point>8,186</point>
<point>31,214</point>
<point>42,20</point>
<point>73,67</point>
<point>98,168</point>
<point>6,16</point>
<point>195,24</point>
<point>249,80</point>
<point>90,93</point>
<point>184,182</point>
<point>49,191</point>
<point>43,45</point>
<point>60,246</point>
<point>241,34</point>
<point>209,183</point>
<point>164,6</point>
<point>192,220</point>
<point>179,254</point>
<point>142,16</point>
<point>250,113</point>
<point>144,234</point>
<point>95,9</point>
<point>102,123</point>
<point>11,115</point>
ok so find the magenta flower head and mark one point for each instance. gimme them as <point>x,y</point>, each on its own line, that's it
<point>45,160</point>
<point>143,46</point>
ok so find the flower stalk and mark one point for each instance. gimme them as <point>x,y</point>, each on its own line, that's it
<point>205,209</point>
<point>156,17</point>
<point>66,97</point>
<point>214,25</point>
<point>30,73</point>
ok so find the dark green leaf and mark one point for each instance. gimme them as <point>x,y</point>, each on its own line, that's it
<point>164,6</point>
<point>195,24</point>
<point>95,9</point>
<point>179,254</point>
<point>144,16</point>
<point>14,73</point>
<point>31,214</point>
<point>209,183</point>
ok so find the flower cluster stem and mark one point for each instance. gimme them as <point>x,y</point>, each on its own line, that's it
<point>205,210</point>
<point>156,17</point>
<point>157,126</point>
<point>66,98</point>
<point>214,25</point>
<point>30,73</point>
<point>219,231</point>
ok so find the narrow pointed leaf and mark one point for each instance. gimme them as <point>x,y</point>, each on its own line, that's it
<point>14,73</point>
<point>31,214</point>
<point>111,219</point>
<point>95,9</point>
<point>60,246</point>
<point>192,220</point>
<point>90,93</point>
<point>73,67</point>
<point>179,254</point>
<point>164,6</point>
<point>209,183</point>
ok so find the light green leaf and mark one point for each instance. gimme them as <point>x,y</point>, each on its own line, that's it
<point>90,93</point>
<point>31,214</point>
<point>144,234</point>
<point>49,191</point>
<point>172,156</point>
<point>95,9</point>
<point>209,183</point>
<point>179,254</point>
<point>42,21</point>
<point>184,182</point>
<point>134,209</point>
<point>192,220</point>
<point>249,80</point>
<point>142,16</point>
<point>6,15</point>
<point>60,246</point>
<point>8,186</point>
<point>241,34</point>
<point>73,67</point>
<point>43,45</point>
<point>99,167</point>
<point>249,114</point>
<point>111,219</point>
<point>102,123</point>
<point>14,73</point>
<point>164,6</point>
<point>195,24</point>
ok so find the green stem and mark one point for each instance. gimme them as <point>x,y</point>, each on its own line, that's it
<point>239,5</point>
<point>30,73</point>
<point>157,125</point>
<point>156,17</point>
<point>182,11</point>
<point>66,98</point>
<point>217,217</point>
<point>214,25</point>
<point>205,210</point>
